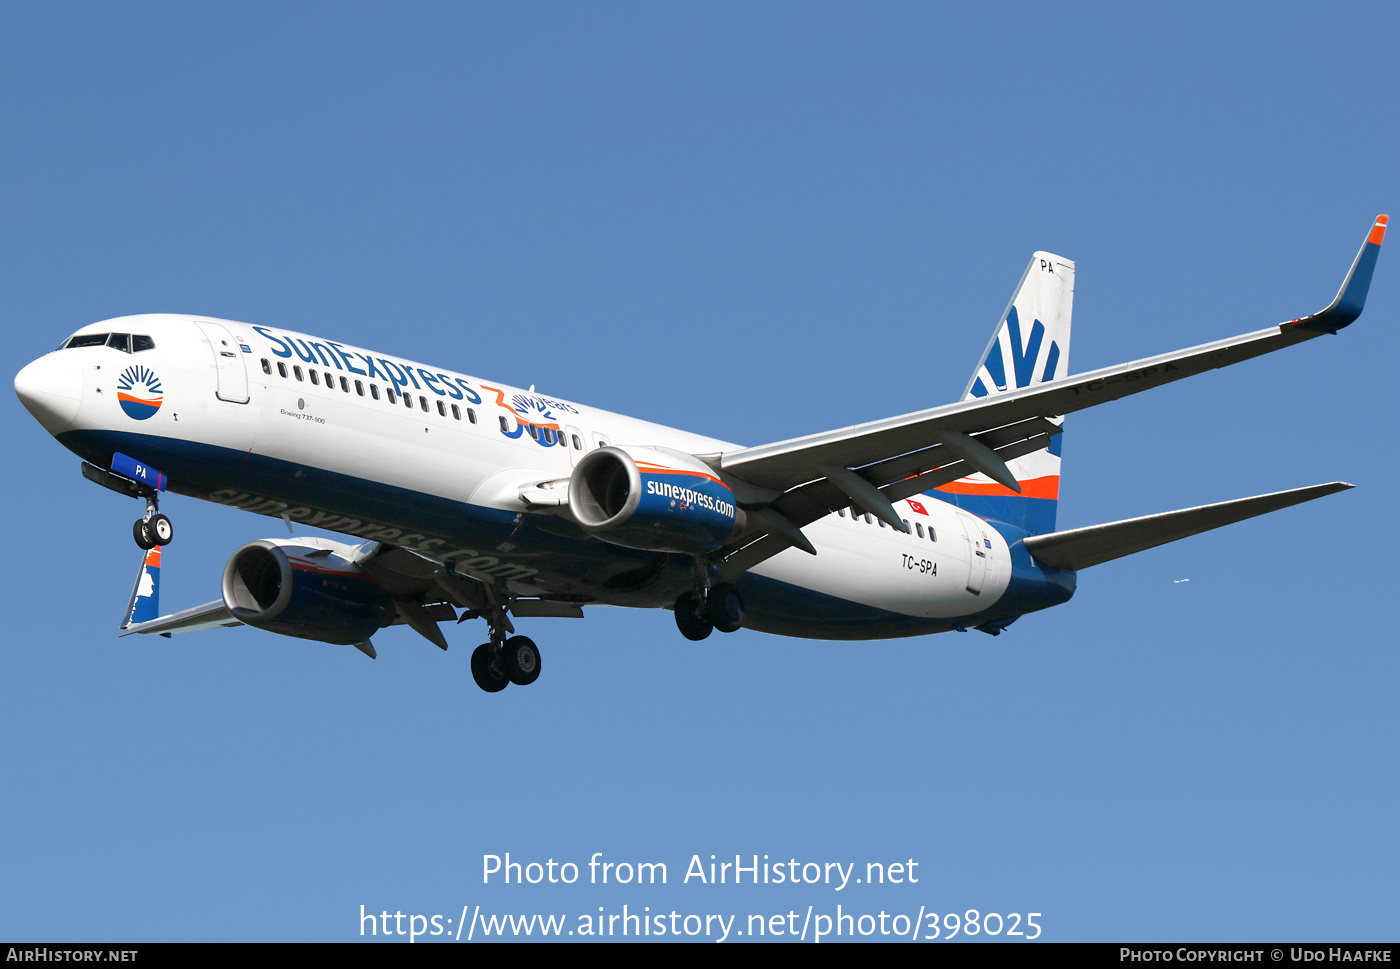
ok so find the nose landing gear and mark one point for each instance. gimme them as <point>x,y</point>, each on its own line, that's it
<point>136,480</point>
<point>152,530</point>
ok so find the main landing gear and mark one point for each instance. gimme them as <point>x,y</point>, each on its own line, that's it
<point>708,608</point>
<point>501,662</point>
<point>153,528</point>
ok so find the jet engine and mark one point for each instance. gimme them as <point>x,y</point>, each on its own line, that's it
<point>654,499</point>
<point>307,591</point>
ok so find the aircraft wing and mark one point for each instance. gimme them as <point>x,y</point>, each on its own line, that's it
<point>423,590</point>
<point>211,615</point>
<point>789,484</point>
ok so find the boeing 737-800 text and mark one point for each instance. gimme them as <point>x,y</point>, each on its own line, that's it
<point>471,499</point>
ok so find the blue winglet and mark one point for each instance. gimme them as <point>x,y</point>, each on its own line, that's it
<point>1351,298</point>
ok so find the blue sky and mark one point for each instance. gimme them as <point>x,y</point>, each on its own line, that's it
<point>750,221</point>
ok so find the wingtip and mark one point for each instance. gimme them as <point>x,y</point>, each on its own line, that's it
<point>1377,235</point>
<point>1351,298</point>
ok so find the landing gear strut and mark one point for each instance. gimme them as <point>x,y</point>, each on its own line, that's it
<point>134,479</point>
<point>501,662</point>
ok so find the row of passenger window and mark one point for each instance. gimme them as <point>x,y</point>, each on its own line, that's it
<point>389,394</point>
<point>916,529</point>
<point>547,436</point>
<point>125,342</point>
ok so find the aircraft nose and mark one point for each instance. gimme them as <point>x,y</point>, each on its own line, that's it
<point>51,388</point>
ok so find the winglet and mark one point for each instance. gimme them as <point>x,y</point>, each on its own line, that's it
<point>1351,298</point>
<point>145,594</point>
<point>1378,230</point>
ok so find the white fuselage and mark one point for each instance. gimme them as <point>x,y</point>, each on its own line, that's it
<point>389,450</point>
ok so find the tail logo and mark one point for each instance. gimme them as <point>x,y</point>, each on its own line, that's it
<point>1023,357</point>
<point>139,392</point>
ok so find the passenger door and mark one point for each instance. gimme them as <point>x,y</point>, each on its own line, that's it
<point>228,362</point>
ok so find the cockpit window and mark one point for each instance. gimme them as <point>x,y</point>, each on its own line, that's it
<point>125,342</point>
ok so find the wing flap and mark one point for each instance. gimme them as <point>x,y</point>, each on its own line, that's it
<point>1080,548</point>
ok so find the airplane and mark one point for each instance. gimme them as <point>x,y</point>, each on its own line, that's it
<point>471,499</point>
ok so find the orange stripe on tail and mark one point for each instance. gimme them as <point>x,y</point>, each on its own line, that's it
<point>1377,235</point>
<point>1046,487</point>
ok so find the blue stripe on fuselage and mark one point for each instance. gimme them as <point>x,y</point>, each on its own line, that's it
<point>368,510</point>
<point>547,543</point>
<point>774,606</point>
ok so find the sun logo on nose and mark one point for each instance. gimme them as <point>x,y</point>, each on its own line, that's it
<point>139,393</point>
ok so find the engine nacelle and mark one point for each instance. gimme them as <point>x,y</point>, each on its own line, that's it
<point>654,499</point>
<point>304,590</point>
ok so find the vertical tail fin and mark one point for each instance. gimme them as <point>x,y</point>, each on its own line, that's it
<point>1031,342</point>
<point>1029,346</point>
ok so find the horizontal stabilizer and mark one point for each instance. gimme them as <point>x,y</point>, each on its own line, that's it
<point>208,616</point>
<point>1079,548</point>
